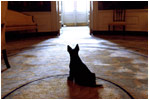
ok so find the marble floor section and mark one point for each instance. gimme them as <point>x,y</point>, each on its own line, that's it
<point>40,66</point>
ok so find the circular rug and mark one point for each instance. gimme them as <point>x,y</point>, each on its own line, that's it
<point>57,87</point>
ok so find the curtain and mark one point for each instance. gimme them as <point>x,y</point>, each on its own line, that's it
<point>75,12</point>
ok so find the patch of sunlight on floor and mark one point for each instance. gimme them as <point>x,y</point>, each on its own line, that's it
<point>75,35</point>
<point>75,32</point>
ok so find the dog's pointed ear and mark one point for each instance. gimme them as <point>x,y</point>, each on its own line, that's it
<point>69,48</point>
<point>77,47</point>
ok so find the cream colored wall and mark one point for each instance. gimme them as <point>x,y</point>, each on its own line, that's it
<point>136,19</point>
<point>46,21</point>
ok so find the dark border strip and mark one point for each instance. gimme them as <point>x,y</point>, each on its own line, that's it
<point>67,75</point>
<point>123,33</point>
<point>18,35</point>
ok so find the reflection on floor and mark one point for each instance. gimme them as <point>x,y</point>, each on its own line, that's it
<point>122,60</point>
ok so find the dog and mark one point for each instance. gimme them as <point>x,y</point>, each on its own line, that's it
<point>78,70</point>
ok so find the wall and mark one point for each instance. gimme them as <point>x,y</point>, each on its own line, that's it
<point>46,21</point>
<point>136,19</point>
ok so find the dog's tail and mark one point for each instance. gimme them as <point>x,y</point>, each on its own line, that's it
<point>98,85</point>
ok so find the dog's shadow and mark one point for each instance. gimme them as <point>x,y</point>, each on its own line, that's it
<point>82,92</point>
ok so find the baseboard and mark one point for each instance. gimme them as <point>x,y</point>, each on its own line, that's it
<point>18,35</point>
<point>131,33</point>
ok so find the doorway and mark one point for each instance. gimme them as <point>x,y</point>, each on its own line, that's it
<point>74,13</point>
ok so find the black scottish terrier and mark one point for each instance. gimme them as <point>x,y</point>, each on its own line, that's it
<point>78,70</point>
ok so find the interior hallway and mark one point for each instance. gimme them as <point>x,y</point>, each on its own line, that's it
<point>122,60</point>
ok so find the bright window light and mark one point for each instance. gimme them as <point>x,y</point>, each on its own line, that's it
<point>79,6</point>
<point>68,6</point>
